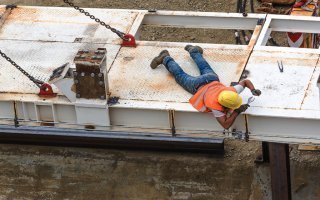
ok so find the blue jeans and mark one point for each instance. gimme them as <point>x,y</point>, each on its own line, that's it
<point>191,83</point>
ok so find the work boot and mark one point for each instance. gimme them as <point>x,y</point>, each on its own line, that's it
<point>159,59</point>
<point>190,48</point>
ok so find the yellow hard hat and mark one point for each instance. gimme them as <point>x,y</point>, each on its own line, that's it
<point>230,99</point>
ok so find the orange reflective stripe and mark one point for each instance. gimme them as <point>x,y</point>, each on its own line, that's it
<point>203,109</point>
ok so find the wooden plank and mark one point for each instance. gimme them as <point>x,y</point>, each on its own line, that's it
<point>280,171</point>
<point>304,147</point>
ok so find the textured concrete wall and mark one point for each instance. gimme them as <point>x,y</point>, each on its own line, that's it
<point>35,172</point>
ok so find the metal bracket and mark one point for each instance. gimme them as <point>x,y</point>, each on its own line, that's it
<point>113,100</point>
<point>240,135</point>
<point>260,21</point>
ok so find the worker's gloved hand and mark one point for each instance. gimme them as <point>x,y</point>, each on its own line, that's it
<point>242,108</point>
<point>256,92</point>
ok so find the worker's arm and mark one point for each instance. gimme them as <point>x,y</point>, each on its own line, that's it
<point>247,83</point>
<point>226,122</point>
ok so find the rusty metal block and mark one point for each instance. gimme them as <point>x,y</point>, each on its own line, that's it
<point>90,75</point>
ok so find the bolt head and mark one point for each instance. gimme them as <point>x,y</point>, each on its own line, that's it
<point>92,74</point>
<point>100,82</point>
<point>82,73</point>
<point>100,74</point>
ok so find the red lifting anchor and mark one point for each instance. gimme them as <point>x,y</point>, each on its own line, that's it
<point>46,91</point>
<point>128,41</point>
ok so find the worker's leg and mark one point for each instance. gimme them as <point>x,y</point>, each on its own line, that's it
<point>189,83</point>
<point>202,64</point>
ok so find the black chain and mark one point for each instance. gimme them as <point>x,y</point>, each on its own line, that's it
<point>119,33</point>
<point>36,81</point>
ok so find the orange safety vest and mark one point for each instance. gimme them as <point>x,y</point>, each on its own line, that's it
<point>206,98</point>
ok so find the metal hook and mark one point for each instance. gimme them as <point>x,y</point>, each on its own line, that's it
<point>280,65</point>
<point>250,100</point>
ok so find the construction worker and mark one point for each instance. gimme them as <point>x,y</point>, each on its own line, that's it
<point>209,95</point>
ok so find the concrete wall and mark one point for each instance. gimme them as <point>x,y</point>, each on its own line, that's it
<point>38,172</point>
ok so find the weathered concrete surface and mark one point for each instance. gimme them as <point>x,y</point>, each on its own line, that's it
<point>37,172</point>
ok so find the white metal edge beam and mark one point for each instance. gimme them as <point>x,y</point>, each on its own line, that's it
<point>187,20</point>
<point>265,33</point>
<point>261,128</point>
<point>286,130</point>
<point>283,23</point>
<point>289,23</point>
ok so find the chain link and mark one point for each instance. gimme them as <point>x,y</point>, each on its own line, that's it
<point>119,33</point>
<point>36,81</point>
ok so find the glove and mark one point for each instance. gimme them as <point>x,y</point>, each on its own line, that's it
<point>242,108</point>
<point>256,92</point>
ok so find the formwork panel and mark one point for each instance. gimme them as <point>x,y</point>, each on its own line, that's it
<point>39,59</point>
<point>280,90</point>
<point>131,77</point>
<point>65,24</point>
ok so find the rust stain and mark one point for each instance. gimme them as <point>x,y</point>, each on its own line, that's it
<point>2,10</point>
<point>9,96</point>
<point>254,37</point>
<point>240,67</point>
<point>299,62</point>
<point>309,84</point>
<point>227,55</point>
<point>24,14</point>
<point>158,86</point>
